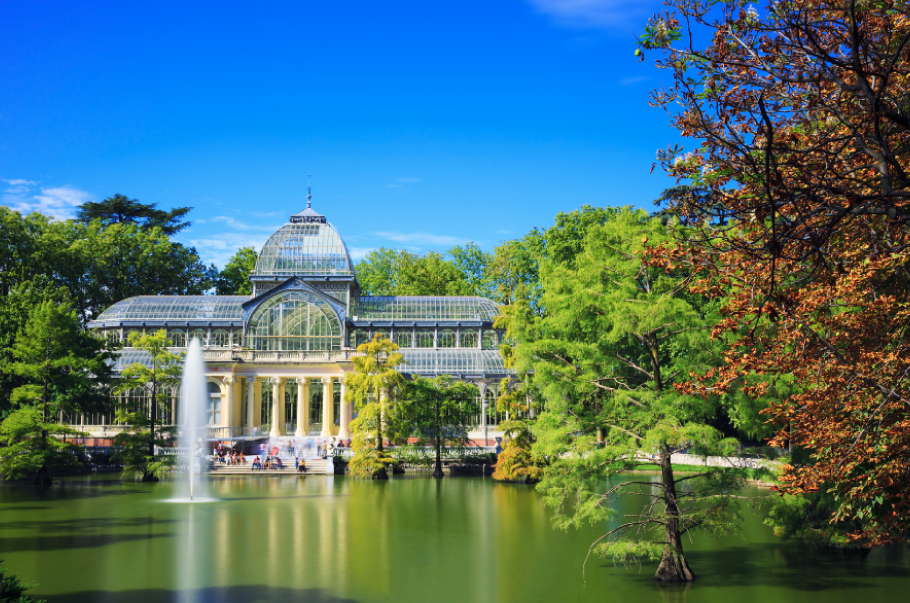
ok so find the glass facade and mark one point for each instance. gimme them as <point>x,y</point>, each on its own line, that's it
<point>425,308</point>
<point>176,307</point>
<point>294,321</point>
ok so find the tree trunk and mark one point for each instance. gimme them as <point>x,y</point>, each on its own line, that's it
<point>44,474</point>
<point>437,471</point>
<point>673,566</point>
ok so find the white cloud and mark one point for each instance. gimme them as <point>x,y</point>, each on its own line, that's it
<point>358,253</point>
<point>596,13</point>
<point>410,180</point>
<point>421,238</point>
<point>58,202</point>
<point>220,249</point>
<point>238,225</point>
<point>629,81</point>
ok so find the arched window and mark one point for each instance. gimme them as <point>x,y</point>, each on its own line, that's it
<point>403,339</point>
<point>177,338</point>
<point>447,339</point>
<point>221,338</point>
<point>469,338</point>
<point>359,337</point>
<point>380,334</point>
<point>214,406</point>
<point>294,320</point>
<point>199,334</point>
<point>490,338</point>
<point>424,339</point>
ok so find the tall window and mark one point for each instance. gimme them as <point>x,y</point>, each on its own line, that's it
<point>403,339</point>
<point>294,320</point>
<point>221,338</point>
<point>214,406</point>
<point>381,334</point>
<point>200,334</point>
<point>447,339</point>
<point>490,339</point>
<point>468,338</point>
<point>424,339</point>
<point>178,338</point>
<point>358,337</point>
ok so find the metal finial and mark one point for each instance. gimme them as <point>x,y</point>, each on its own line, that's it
<point>309,192</point>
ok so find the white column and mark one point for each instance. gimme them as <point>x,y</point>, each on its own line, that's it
<point>303,407</point>
<point>327,418</point>
<point>250,404</point>
<point>277,407</point>
<point>227,413</point>
<point>344,430</point>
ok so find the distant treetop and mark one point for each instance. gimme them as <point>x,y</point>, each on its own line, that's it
<point>121,209</point>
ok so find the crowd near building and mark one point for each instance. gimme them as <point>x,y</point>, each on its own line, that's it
<point>276,360</point>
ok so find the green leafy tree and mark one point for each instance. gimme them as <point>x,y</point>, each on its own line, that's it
<point>379,273</point>
<point>474,264</point>
<point>120,209</point>
<point>432,274</point>
<point>372,386</point>
<point>159,377</point>
<point>616,336</point>
<point>54,359</point>
<point>235,278</point>
<point>439,411</point>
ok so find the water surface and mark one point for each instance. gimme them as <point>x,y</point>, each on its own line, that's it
<point>335,539</point>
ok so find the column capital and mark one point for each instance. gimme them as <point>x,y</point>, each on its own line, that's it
<point>482,386</point>
<point>275,380</point>
<point>303,380</point>
<point>327,380</point>
<point>231,379</point>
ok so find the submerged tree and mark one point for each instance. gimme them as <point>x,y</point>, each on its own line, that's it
<point>54,359</point>
<point>158,378</point>
<point>440,412</point>
<point>372,387</point>
<point>617,335</point>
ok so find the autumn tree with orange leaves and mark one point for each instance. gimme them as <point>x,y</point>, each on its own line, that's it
<point>800,113</point>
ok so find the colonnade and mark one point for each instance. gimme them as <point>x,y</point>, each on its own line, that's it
<point>249,388</point>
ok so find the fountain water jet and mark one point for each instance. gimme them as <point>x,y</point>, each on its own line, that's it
<point>193,398</point>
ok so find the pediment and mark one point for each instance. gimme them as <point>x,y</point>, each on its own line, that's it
<point>295,283</point>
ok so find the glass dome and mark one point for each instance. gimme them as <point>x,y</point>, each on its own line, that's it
<point>307,246</point>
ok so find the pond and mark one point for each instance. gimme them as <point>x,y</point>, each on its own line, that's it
<point>412,539</point>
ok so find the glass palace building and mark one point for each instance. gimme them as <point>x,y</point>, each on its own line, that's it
<point>276,359</point>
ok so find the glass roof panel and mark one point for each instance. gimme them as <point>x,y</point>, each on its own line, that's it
<point>426,308</point>
<point>177,307</point>
<point>453,362</point>
<point>304,249</point>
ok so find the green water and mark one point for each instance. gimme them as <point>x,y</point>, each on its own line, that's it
<point>413,539</point>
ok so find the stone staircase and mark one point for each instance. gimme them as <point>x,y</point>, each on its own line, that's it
<point>313,467</point>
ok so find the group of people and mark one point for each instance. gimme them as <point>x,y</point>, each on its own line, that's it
<point>227,457</point>
<point>270,462</point>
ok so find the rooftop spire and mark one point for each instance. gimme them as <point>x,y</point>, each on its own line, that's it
<point>309,192</point>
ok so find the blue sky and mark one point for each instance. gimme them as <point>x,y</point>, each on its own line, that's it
<point>424,124</point>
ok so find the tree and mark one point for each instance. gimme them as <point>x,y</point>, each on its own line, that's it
<point>617,336</point>
<point>372,387</point>
<point>235,278</point>
<point>379,272</point>
<point>440,412</point>
<point>801,127</point>
<point>120,209</point>
<point>159,377</point>
<point>54,358</point>
<point>12,589</point>
<point>474,265</point>
<point>517,461</point>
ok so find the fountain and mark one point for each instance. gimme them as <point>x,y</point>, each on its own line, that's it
<point>193,397</point>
